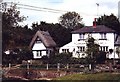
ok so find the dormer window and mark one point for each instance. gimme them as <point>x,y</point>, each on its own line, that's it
<point>82,36</point>
<point>103,36</point>
<point>38,40</point>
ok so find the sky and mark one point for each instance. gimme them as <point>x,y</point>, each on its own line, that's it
<point>88,9</point>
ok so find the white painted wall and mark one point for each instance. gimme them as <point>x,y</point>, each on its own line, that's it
<point>75,37</point>
<point>38,46</point>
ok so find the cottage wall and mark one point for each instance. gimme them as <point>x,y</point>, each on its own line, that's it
<point>37,48</point>
<point>106,43</point>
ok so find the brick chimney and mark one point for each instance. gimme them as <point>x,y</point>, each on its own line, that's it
<point>94,23</point>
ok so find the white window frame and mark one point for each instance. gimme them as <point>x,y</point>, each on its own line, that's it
<point>65,50</point>
<point>81,48</point>
<point>103,36</point>
<point>82,36</point>
<point>103,48</point>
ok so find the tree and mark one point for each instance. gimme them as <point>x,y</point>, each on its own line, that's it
<point>110,21</point>
<point>11,16</point>
<point>92,51</point>
<point>70,20</point>
<point>10,19</point>
<point>14,36</point>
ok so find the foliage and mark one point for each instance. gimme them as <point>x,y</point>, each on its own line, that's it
<point>77,60</point>
<point>11,16</point>
<point>14,37</point>
<point>70,20</point>
<point>60,58</point>
<point>17,55</point>
<point>111,21</point>
<point>92,52</point>
<point>13,34</point>
<point>101,57</point>
<point>118,51</point>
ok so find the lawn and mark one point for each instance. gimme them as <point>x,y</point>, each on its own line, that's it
<point>99,76</point>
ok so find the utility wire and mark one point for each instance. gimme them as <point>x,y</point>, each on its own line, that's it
<point>29,7</point>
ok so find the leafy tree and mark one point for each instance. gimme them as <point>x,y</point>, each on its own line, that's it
<point>111,21</point>
<point>92,51</point>
<point>13,35</point>
<point>11,16</point>
<point>10,19</point>
<point>70,20</point>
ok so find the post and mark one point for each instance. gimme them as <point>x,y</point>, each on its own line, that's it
<point>58,67</point>
<point>110,67</point>
<point>47,66</point>
<point>9,65</point>
<point>90,67</point>
<point>28,67</point>
<point>67,66</point>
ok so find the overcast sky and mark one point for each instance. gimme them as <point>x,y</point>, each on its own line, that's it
<point>87,9</point>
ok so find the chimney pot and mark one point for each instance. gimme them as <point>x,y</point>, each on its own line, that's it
<point>94,23</point>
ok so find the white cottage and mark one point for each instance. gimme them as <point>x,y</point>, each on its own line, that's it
<point>103,36</point>
<point>42,44</point>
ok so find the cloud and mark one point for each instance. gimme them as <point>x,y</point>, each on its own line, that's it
<point>86,8</point>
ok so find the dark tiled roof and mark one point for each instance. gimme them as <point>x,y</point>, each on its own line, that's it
<point>45,38</point>
<point>97,29</point>
<point>117,43</point>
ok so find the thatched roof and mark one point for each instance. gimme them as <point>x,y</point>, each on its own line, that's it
<point>45,38</point>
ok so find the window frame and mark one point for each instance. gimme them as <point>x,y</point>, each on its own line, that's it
<point>81,36</point>
<point>103,36</point>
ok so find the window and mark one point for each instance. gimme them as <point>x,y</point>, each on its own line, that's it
<point>39,53</point>
<point>38,40</point>
<point>104,48</point>
<point>82,36</point>
<point>81,48</point>
<point>103,36</point>
<point>65,50</point>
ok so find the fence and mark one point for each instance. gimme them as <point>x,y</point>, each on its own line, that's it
<point>65,67</point>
